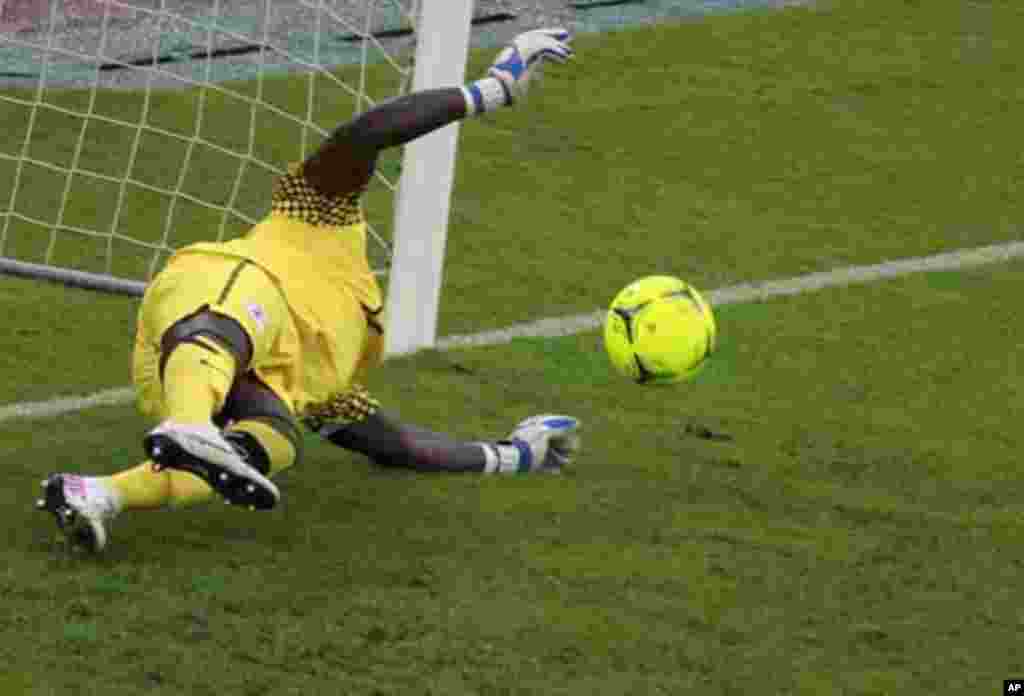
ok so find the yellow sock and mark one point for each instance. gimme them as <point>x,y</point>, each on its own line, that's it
<point>280,449</point>
<point>141,488</point>
<point>197,379</point>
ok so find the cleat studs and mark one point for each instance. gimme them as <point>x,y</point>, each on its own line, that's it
<point>157,450</point>
<point>44,483</point>
<point>250,488</point>
<point>227,502</point>
<point>224,477</point>
<point>40,503</point>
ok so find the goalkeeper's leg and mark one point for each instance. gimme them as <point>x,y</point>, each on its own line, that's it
<point>259,427</point>
<point>213,318</point>
<point>205,320</point>
<point>144,487</point>
<point>259,431</point>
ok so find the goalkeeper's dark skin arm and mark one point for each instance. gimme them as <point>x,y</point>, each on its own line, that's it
<point>390,443</point>
<point>342,166</point>
<point>346,160</point>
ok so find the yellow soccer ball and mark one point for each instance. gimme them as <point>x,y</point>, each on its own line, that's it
<point>659,330</point>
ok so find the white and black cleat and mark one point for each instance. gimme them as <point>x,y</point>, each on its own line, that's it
<point>202,450</point>
<point>81,515</point>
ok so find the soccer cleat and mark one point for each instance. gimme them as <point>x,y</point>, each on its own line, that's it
<point>202,450</point>
<point>82,507</point>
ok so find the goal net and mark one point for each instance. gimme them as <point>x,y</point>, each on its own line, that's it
<point>135,127</point>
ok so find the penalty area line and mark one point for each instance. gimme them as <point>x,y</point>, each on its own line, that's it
<point>66,404</point>
<point>564,326</point>
<point>754,292</point>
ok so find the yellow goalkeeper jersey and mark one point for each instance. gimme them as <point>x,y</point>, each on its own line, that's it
<point>314,246</point>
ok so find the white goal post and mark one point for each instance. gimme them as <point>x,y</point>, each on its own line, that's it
<point>77,174</point>
<point>424,191</point>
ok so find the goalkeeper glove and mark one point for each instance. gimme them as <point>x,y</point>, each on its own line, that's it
<point>510,75</point>
<point>544,443</point>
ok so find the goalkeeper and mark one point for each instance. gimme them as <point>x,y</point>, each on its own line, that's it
<point>240,342</point>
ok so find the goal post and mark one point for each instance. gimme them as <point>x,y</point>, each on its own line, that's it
<point>424,191</point>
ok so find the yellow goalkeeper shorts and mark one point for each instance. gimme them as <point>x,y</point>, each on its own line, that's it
<point>311,368</point>
<point>236,288</point>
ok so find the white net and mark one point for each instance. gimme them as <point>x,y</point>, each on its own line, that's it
<point>135,127</point>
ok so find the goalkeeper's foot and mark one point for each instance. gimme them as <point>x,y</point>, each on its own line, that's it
<point>203,450</point>
<point>83,508</point>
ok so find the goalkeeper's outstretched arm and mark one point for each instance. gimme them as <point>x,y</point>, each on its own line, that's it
<point>541,443</point>
<point>345,161</point>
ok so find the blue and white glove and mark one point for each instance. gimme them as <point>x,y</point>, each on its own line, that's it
<point>544,443</point>
<point>509,77</point>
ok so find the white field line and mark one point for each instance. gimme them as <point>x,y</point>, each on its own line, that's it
<point>563,326</point>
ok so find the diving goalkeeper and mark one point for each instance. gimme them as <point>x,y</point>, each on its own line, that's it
<point>240,342</point>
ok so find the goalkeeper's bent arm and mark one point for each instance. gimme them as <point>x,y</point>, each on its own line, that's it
<point>345,161</point>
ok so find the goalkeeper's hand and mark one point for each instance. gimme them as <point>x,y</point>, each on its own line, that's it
<point>546,443</point>
<point>509,77</point>
<point>521,59</point>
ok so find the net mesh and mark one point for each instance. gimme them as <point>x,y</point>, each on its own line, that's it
<point>134,128</point>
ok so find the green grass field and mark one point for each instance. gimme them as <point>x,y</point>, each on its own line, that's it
<point>833,507</point>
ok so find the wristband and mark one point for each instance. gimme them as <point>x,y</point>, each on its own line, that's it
<point>485,95</point>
